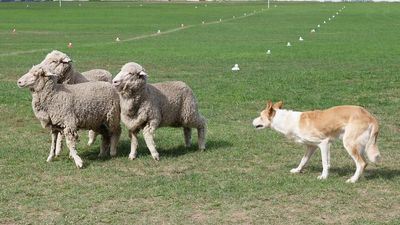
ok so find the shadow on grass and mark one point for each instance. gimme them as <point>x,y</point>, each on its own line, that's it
<point>370,173</point>
<point>124,148</point>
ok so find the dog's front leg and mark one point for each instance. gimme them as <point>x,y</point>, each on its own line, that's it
<point>307,155</point>
<point>324,146</point>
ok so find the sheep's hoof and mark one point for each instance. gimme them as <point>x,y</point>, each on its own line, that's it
<point>79,164</point>
<point>102,154</point>
<point>322,177</point>
<point>156,157</point>
<point>132,157</point>
<point>90,142</point>
<point>50,158</point>
<point>113,154</point>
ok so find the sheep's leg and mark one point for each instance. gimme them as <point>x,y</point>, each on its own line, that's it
<point>201,133</point>
<point>105,144</point>
<point>134,145</point>
<point>53,146</point>
<point>187,133</point>
<point>148,133</point>
<point>60,137</point>
<point>71,139</point>
<point>114,143</point>
<point>92,137</point>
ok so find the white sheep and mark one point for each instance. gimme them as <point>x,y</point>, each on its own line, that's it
<point>67,108</point>
<point>60,64</point>
<point>149,106</point>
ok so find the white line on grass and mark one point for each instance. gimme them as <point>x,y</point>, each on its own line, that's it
<point>138,37</point>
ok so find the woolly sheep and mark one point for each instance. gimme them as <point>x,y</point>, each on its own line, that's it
<point>60,64</point>
<point>149,106</point>
<point>67,108</point>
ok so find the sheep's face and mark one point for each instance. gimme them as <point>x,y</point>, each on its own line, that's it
<point>57,63</point>
<point>35,79</point>
<point>132,76</point>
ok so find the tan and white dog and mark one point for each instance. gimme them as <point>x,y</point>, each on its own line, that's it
<point>317,129</point>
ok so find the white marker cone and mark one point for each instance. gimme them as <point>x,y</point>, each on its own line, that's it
<point>318,26</point>
<point>329,19</point>
<point>268,52</point>
<point>324,21</point>
<point>202,22</point>
<point>14,30</point>
<point>159,31</point>
<point>313,31</point>
<point>220,19</point>
<point>117,39</point>
<point>301,39</point>
<point>235,67</point>
<point>70,45</point>
<point>244,14</point>
<point>182,25</point>
<point>288,44</point>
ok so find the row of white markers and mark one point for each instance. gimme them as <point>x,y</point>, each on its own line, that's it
<point>204,22</point>
<point>269,52</point>
<point>312,30</point>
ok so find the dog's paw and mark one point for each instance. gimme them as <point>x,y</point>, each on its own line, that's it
<point>295,170</point>
<point>352,180</point>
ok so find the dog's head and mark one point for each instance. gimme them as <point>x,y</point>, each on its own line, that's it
<point>267,115</point>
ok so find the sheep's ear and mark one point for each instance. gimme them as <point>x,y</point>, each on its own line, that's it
<point>66,60</point>
<point>143,74</point>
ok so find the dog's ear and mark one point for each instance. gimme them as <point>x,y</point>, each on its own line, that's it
<point>270,109</point>
<point>278,105</point>
<point>269,104</point>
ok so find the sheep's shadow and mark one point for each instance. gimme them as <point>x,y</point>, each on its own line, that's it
<point>370,173</point>
<point>124,148</point>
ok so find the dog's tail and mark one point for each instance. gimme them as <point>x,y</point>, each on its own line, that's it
<point>371,147</point>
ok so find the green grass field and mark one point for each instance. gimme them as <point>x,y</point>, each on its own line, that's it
<point>243,176</point>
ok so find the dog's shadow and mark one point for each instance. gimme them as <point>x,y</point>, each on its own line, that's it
<point>370,173</point>
<point>124,148</point>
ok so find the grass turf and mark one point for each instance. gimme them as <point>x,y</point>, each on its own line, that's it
<point>243,176</point>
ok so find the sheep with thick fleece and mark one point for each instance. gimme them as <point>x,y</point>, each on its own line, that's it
<point>149,106</point>
<point>60,64</point>
<point>68,108</point>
